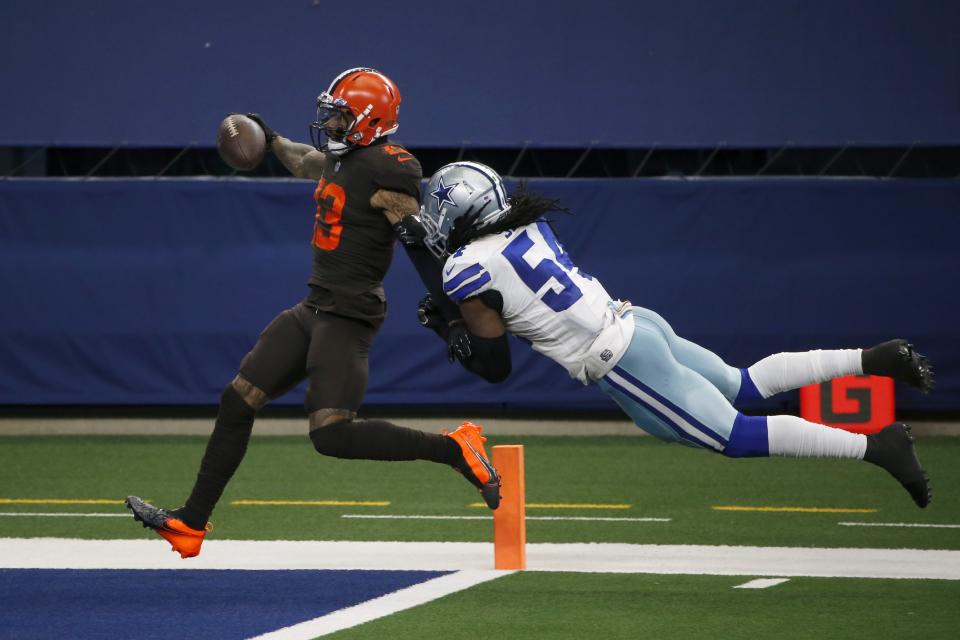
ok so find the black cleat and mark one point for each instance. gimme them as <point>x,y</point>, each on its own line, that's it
<point>490,492</point>
<point>152,517</point>
<point>892,448</point>
<point>898,360</point>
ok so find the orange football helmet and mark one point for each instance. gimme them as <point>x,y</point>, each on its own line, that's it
<point>369,103</point>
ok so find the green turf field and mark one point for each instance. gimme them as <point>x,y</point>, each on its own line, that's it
<point>651,478</point>
<point>655,479</point>
<point>536,606</point>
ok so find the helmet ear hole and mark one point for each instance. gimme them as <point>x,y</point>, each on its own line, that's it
<point>375,122</point>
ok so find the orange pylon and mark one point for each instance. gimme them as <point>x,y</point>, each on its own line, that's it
<point>510,519</point>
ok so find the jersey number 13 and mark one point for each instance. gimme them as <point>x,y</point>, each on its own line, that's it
<point>330,199</point>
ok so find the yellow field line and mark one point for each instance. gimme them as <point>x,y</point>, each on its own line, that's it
<point>794,509</point>
<point>55,501</point>
<point>312,503</point>
<point>543,505</point>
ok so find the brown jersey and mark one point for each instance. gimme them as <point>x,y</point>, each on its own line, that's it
<point>352,241</point>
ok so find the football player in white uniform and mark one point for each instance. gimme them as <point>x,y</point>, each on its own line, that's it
<point>508,273</point>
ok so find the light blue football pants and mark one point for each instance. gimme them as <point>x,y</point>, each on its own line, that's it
<point>681,392</point>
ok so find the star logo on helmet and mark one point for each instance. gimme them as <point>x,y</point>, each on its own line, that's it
<point>442,194</point>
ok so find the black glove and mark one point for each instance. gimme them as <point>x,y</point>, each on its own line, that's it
<point>409,230</point>
<point>268,133</point>
<point>455,333</point>
<point>458,342</point>
<point>430,316</point>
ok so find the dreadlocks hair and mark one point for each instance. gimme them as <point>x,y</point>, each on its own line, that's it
<point>525,207</point>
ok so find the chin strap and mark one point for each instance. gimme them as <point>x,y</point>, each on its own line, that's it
<point>337,148</point>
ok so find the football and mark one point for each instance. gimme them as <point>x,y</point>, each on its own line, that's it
<point>240,142</point>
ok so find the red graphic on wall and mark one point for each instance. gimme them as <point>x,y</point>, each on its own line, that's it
<point>863,404</point>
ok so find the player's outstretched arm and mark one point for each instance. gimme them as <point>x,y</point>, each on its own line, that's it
<point>302,160</point>
<point>400,210</point>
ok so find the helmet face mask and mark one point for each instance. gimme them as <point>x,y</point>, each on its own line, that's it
<point>334,118</point>
<point>434,239</point>
<point>369,103</point>
<point>461,193</point>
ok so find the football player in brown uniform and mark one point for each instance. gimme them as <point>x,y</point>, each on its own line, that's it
<point>367,187</point>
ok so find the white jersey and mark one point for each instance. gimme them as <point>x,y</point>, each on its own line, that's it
<point>565,314</point>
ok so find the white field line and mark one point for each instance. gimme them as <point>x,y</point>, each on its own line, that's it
<point>364,516</point>
<point>920,525</point>
<point>60,553</point>
<point>356,516</point>
<point>762,583</point>
<point>360,516</point>
<point>599,519</point>
<point>383,606</point>
<point>37,514</point>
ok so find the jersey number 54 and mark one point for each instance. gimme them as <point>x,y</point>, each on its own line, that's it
<point>536,277</point>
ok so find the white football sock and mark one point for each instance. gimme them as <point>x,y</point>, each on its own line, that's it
<point>793,436</point>
<point>785,371</point>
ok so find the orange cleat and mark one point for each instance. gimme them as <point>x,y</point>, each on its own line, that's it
<point>185,541</point>
<point>474,465</point>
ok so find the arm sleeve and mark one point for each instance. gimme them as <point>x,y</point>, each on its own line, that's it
<point>429,270</point>
<point>489,358</point>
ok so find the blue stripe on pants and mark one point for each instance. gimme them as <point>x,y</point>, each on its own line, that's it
<point>677,432</point>
<point>676,408</point>
<point>665,397</point>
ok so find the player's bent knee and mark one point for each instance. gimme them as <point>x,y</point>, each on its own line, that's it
<point>254,397</point>
<point>234,409</point>
<point>330,431</point>
<point>748,438</point>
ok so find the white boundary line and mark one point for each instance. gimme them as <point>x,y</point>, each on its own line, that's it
<point>900,524</point>
<point>384,605</point>
<point>599,519</point>
<point>762,583</point>
<point>361,516</point>
<point>352,516</point>
<point>39,514</point>
<point>778,562</point>
<point>364,516</point>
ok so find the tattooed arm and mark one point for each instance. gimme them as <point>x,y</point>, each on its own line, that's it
<point>396,206</point>
<point>302,160</point>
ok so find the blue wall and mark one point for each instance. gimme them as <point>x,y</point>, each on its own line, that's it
<point>150,291</point>
<point>622,73</point>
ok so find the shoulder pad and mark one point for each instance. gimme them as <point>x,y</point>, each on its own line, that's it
<point>398,153</point>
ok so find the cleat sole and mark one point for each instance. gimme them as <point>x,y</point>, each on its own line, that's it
<point>892,448</point>
<point>898,359</point>
<point>182,539</point>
